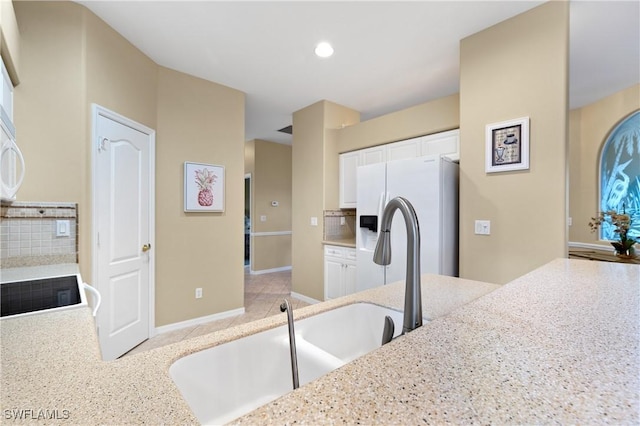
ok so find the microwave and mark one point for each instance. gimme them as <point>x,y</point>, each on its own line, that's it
<point>11,160</point>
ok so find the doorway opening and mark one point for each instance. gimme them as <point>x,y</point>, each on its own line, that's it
<point>247,221</point>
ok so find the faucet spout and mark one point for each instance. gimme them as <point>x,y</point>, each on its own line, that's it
<point>382,256</point>
<point>285,306</point>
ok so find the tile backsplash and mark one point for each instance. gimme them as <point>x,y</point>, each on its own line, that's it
<point>28,234</point>
<point>339,224</point>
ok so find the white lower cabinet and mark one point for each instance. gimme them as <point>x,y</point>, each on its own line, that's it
<point>339,271</point>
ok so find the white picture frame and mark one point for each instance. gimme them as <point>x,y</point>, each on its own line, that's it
<point>507,146</point>
<point>203,187</point>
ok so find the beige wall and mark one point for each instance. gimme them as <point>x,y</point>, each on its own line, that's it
<point>249,156</point>
<point>516,68</point>
<point>435,116</point>
<point>203,122</point>
<point>117,77</point>
<point>271,181</point>
<point>314,155</point>
<point>307,190</point>
<point>70,59</point>
<point>50,110</point>
<point>590,126</point>
<point>336,116</point>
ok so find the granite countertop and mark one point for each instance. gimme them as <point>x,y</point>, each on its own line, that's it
<point>558,345</point>
<point>342,242</point>
<point>37,272</point>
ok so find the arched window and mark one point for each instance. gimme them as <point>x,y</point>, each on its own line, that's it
<point>620,175</point>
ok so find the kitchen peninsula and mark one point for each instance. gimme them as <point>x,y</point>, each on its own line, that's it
<point>557,345</point>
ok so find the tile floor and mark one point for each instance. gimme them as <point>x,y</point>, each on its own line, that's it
<point>262,297</point>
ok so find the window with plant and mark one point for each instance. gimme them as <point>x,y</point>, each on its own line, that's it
<point>619,220</point>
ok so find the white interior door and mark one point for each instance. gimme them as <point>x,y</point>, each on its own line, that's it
<point>123,246</point>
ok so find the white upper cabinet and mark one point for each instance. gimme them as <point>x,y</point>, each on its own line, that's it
<point>6,93</point>
<point>372,155</point>
<point>349,163</point>
<point>348,166</point>
<point>403,149</point>
<point>445,143</point>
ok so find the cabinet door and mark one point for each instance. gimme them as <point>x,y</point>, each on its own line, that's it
<point>332,278</point>
<point>348,167</point>
<point>349,275</point>
<point>404,149</point>
<point>372,155</point>
<point>445,143</point>
<point>6,92</point>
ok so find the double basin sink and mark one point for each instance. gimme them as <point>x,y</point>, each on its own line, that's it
<point>227,381</point>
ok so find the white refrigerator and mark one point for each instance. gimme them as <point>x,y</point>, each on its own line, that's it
<point>431,186</point>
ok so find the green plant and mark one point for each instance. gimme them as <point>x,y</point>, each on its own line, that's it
<point>621,222</point>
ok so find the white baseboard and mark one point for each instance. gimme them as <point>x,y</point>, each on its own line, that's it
<point>198,321</point>
<point>590,246</point>
<point>304,298</point>
<point>268,271</point>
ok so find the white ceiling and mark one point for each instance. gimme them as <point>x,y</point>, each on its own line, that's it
<point>389,55</point>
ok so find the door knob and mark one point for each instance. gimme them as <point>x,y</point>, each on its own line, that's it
<point>146,247</point>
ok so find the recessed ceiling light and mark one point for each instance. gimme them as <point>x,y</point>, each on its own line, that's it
<point>324,50</point>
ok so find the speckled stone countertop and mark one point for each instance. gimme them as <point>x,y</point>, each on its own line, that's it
<point>342,242</point>
<point>558,345</point>
<point>36,272</point>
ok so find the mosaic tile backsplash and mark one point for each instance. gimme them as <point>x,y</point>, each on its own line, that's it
<point>339,224</point>
<point>28,234</point>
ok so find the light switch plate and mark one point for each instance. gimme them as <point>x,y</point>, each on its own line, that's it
<point>483,227</point>
<point>263,218</point>
<point>63,228</point>
<point>314,221</point>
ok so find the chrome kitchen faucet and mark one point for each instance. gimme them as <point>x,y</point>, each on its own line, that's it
<point>382,256</point>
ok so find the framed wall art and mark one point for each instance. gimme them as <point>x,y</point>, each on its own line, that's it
<point>203,187</point>
<point>507,146</point>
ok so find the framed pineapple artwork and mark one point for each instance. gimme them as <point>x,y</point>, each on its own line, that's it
<point>203,187</point>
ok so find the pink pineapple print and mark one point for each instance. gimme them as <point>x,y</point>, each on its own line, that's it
<point>205,180</point>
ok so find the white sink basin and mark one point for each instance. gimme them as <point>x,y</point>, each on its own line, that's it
<point>350,331</point>
<point>227,381</point>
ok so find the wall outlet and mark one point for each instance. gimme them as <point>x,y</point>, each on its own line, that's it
<point>198,293</point>
<point>263,218</point>
<point>314,221</point>
<point>342,221</point>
